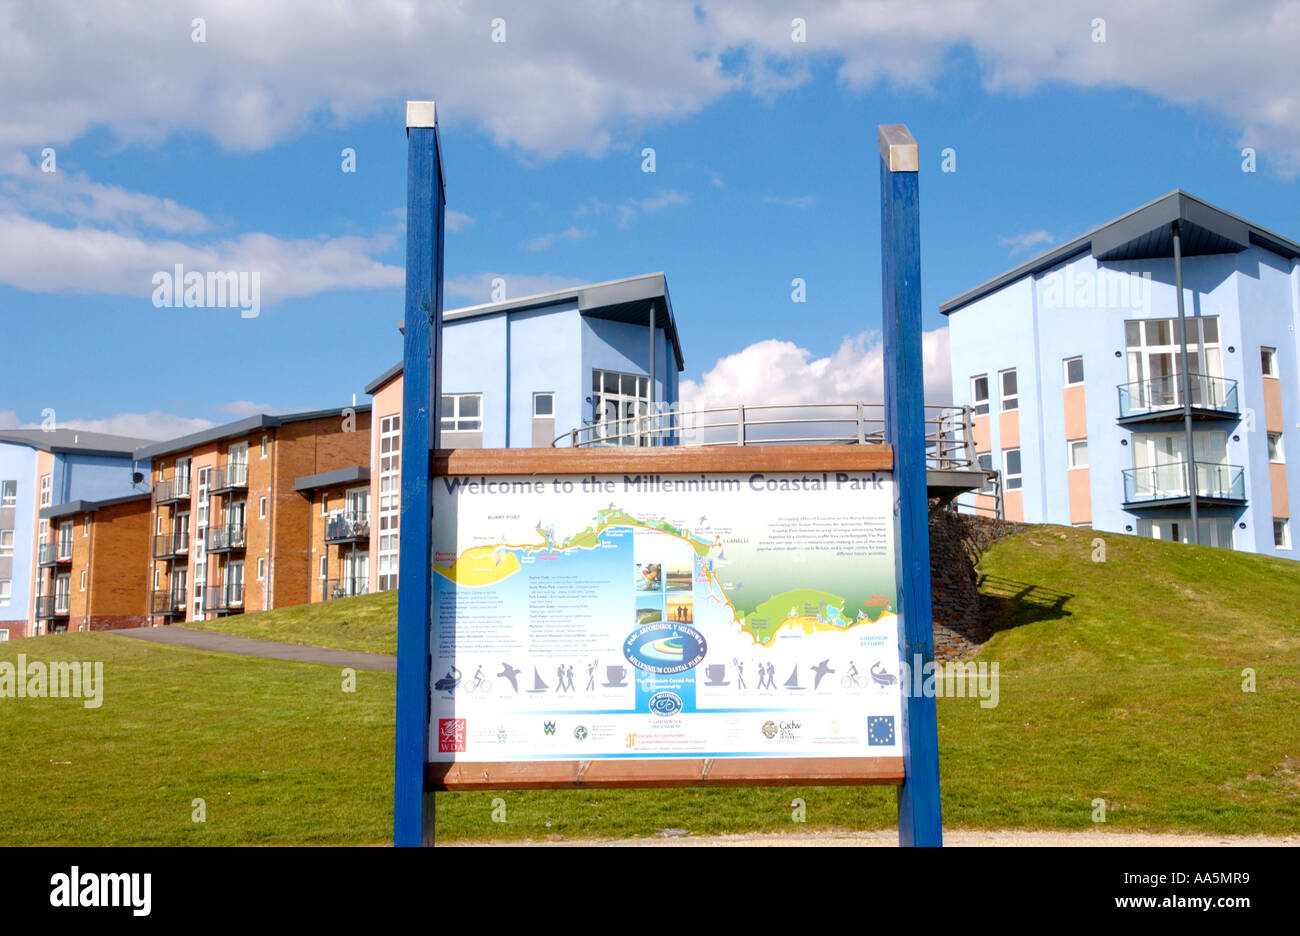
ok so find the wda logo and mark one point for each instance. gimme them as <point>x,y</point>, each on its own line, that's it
<point>103,890</point>
<point>548,727</point>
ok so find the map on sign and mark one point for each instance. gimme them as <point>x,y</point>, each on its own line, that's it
<point>743,615</point>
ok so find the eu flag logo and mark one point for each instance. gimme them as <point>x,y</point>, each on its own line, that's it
<point>880,730</point>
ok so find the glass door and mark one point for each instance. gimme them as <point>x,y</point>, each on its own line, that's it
<point>235,583</point>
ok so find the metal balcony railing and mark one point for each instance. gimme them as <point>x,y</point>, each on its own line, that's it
<point>345,527</point>
<point>1168,481</point>
<point>949,438</point>
<point>1164,395</point>
<point>166,601</point>
<point>223,598</point>
<point>171,545</point>
<point>229,478</point>
<point>51,606</point>
<point>224,539</point>
<point>343,588</point>
<point>172,490</point>
<point>54,553</point>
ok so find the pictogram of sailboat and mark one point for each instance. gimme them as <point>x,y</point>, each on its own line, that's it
<point>538,685</point>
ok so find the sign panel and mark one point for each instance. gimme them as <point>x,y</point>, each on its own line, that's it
<point>664,615</point>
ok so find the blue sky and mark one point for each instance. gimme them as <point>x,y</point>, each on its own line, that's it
<point>766,170</point>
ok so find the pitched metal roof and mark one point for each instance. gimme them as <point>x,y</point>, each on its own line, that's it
<point>626,300</point>
<point>73,440</point>
<point>84,506</point>
<point>1145,233</point>
<point>238,428</point>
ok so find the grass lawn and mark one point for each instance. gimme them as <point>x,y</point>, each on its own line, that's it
<point>1120,680</point>
<point>367,623</point>
<point>278,751</point>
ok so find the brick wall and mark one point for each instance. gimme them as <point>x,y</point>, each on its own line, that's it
<point>119,581</point>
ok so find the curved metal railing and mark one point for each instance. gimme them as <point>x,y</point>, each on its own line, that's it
<point>948,435</point>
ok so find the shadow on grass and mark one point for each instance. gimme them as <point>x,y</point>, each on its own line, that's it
<point>1006,603</point>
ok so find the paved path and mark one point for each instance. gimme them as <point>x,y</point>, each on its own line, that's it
<point>951,837</point>
<point>250,646</point>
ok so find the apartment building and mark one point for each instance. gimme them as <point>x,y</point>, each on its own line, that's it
<point>91,577</point>
<point>1101,400</point>
<point>339,529</point>
<point>520,373</point>
<point>41,468</point>
<point>230,530</point>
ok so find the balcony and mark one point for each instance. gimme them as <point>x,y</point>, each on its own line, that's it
<point>172,491</point>
<point>229,478</point>
<point>343,588</point>
<point>223,599</point>
<point>167,602</point>
<point>1166,485</point>
<point>171,545</point>
<point>226,539</point>
<point>48,554</point>
<point>1161,399</point>
<point>49,607</point>
<point>347,527</point>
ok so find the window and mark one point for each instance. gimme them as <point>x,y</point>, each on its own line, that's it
<point>462,412</point>
<point>45,490</point>
<point>261,509</point>
<point>1281,534</point>
<point>83,579</point>
<point>261,568</point>
<point>1078,451</point>
<point>1011,469</point>
<point>6,542</point>
<point>324,505</point>
<point>1155,363</point>
<point>155,579</point>
<point>617,402</point>
<point>1073,371</point>
<point>1275,452</point>
<point>1010,399</point>
<point>85,527</point>
<point>390,470</point>
<point>324,566</point>
<point>8,493</point>
<point>986,465</point>
<point>4,631</point>
<point>160,525</point>
<point>6,589</point>
<point>543,404</point>
<point>1268,361</point>
<point>265,445</point>
<point>979,394</point>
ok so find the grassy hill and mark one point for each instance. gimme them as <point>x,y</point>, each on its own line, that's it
<point>1120,680</point>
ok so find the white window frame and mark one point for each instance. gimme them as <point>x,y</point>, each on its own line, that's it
<point>451,419</point>
<point>83,579</point>
<point>1072,459</point>
<point>8,493</point>
<point>6,548</point>
<point>324,505</point>
<point>388,511</point>
<point>1012,482</point>
<point>1286,533</point>
<point>1276,453</point>
<point>324,567</point>
<point>1007,403</point>
<point>261,509</point>
<point>47,487</point>
<point>85,527</point>
<point>1065,371</point>
<point>981,406</point>
<point>261,568</point>
<point>1268,361</point>
<point>547,395</point>
<point>6,592</point>
<point>266,445</point>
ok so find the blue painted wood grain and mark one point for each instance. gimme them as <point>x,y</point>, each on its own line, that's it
<point>422,367</point>
<point>919,820</point>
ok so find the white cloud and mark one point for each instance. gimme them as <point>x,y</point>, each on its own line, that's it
<point>630,207</point>
<point>39,257</point>
<point>796,201</point>
<point>778,371</point>
<point>1021,243</point>
<point>476,288</point>
<point>547,241</point>
<point>577,77</point>
<point>451,220</point>
<point>242,408</point>
<point>9,419</point>
<point>154,425</point>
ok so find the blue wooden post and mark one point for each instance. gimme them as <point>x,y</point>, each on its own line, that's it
<point>421,386</point>
<point>919,821</point>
